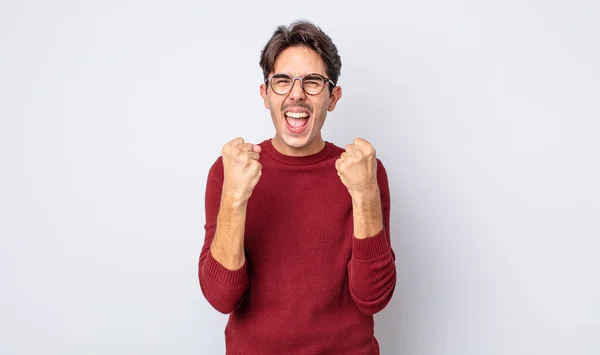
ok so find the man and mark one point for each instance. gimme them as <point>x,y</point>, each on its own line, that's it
<point>297,247</point>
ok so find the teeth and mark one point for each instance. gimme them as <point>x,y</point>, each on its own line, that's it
<point>296,114</point>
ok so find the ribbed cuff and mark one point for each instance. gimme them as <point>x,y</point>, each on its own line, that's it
<point>226,277</point>
<point>371,247</point>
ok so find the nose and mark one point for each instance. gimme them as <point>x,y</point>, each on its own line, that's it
<point>297,93</point>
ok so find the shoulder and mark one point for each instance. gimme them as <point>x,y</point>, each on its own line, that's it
<point>380,167</point>
<point>335,150</point>
<point>216,171</point>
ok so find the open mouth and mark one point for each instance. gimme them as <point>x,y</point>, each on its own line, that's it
<point>296,121</point>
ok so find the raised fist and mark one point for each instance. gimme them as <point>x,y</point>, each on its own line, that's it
<point>357,168</point>
<point>241,169</point>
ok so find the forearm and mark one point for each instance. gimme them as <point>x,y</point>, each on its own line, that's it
<point>367,213</point>
<point>227,246</point>
<point>222,269</point>
<point>372,269</point>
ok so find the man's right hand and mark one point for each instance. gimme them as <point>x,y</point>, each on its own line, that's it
<point>241,169</point>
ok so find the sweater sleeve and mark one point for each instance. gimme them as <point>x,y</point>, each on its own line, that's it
<point>223,288</point>
<point>372,268</point>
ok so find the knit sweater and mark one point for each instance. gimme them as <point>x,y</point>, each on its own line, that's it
<point>308,286</point>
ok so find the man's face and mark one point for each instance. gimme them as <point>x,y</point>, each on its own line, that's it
<point>297,116</point>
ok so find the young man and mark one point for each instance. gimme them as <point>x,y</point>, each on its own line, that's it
<point>297,247</point>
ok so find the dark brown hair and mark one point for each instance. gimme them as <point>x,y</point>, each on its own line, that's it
<point>306,34</point>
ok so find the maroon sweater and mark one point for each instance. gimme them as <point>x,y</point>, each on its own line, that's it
<point>308,285</point>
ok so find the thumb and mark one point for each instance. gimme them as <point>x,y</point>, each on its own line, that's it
<point>256,148</point>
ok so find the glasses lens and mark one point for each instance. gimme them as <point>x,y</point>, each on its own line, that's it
<point>313,84</point>
<point>281,83</point>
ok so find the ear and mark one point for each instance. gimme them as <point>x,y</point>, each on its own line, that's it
<point>336,94</point>
<point>263,93</point>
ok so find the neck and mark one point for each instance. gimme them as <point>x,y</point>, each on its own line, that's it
<point>313,147</point>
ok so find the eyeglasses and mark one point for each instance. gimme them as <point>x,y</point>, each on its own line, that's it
<point>312,84</point>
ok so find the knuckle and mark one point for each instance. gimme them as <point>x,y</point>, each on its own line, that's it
<point>226,149</point>
<point>240,158</point>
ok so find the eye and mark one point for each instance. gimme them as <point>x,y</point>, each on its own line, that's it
<point>281,81</point>
<point>313,80</point>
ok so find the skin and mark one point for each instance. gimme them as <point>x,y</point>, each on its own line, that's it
<point>298,61</point>
<point>357,169</point>
<point>241,174</point>
<point>357,166</point>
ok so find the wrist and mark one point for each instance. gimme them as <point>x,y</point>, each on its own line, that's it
<point>234,199</point>
<point>366,196</point>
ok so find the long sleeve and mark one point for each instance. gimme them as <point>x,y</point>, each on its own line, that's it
<point>224,289</point>
<point>372,268</point>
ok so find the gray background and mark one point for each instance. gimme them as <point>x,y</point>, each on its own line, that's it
<point>485,114</point>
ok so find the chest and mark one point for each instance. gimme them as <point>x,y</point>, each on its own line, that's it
<point>299,212</point>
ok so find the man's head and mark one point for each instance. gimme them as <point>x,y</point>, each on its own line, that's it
<point>298,111</point>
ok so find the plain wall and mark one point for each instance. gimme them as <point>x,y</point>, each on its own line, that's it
<point>485,114</point>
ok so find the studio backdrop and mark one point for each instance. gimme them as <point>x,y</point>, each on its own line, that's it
<point>485,114</point>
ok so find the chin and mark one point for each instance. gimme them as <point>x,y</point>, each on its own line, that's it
<point>295,142</point>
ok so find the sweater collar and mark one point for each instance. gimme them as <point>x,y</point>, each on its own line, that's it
<point>323,154</point>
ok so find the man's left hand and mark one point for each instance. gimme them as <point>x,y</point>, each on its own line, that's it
<point>357,168</point>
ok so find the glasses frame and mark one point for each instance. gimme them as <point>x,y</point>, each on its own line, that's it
<point>269,82</point>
